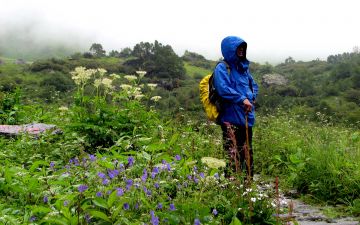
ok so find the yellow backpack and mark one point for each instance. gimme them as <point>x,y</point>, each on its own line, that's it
<point>209,97</point>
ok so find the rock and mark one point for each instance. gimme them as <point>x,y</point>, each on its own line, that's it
<point>32,129</point>
<point>20,61</point>
<point>273,80</point>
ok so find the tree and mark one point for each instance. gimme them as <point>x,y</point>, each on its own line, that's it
<point>158,60</point>
<point>289,60</point>
<point>125,52</point>
<point>97,50</point>
<point>114,53</point>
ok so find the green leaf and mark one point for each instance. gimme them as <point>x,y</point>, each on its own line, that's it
<point>101,203</point>
<point>294,159</point>
<point>36,164</point>
<point>59,221</point>
<point>173,139</point>
<point>235,221</point>
<point>40,209</point>
<point>99,215</point>
<point>146,156</point>
<point>278,158</point>
<point>112,198</point>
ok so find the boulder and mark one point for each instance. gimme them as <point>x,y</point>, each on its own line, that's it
<point>32,129</point>
<point>20,61</point>
<point>273,79</point>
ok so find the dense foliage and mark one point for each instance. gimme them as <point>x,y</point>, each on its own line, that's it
<point>119,127</point>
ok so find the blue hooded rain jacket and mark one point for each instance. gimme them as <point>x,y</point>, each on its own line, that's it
<point>235,87</point>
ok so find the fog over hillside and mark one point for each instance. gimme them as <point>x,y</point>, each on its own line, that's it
<point>273,30</point>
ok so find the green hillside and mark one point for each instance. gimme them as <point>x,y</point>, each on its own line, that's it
<point>136,146</point>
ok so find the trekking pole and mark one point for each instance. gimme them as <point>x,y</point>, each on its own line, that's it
<point>247,159</point>
<point>247,150</point>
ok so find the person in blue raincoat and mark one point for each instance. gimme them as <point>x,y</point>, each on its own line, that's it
<point>238,91</point>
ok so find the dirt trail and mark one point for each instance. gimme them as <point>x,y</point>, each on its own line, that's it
<point>305,214</point>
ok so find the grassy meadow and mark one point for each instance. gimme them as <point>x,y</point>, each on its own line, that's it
<point>122,158</point>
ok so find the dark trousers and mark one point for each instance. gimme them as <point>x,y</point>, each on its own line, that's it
<point>234,140</point>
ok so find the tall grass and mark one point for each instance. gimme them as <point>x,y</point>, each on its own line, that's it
<point>320,159</point>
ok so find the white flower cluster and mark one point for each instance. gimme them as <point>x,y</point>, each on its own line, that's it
<point>141,73</point>
<point>152,86</point>
<point>81,75</point>
<point>213,163</point>
<point>130,77</point>
<point>155,98</point>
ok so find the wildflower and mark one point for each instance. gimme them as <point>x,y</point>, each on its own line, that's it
<point>137,206</point>
<point>131,161</point>
<point>129,183</point>
<point>155,98</point>
<point>156,185</point>
<point>216,175</point>
<point>97,83</point>
<point>213,162</point>
<point>119,192</point>
<point>253,199</point>
<point>153,175</point>
<point>197,222</point>
<point>76,162</point>
<point>168,166</point>
<point>63,108</point>
<point>80,75</point>
<point>154,219</point>
<point>138,97</point>
<point>156,170</point>
<point>130,77</point>
<point>202,175</point>
<point>114,76</point>
<point>172,207</point>
<point>66,203</point>
<point>122,167</point>
<point>125,87</point>
<point>159,206</point>
<point>101,72</point>
<point>32,218</point>
<point>92,158</point>
<point>105,181</point>
<point>107,83</point>
<point>152,86</point>
<point>126,206</point>
<point>113,173</point>
<point>101,175</point>
<point>98,194</point>
<point>52,164</point>
<point>82,188</point>
<point>144,176</point>
<point>189,177</point>
<point>148,192</point>
<point>177,157</point>
<point>45,199</point>
<point>196,180</point>
<point>214,212</point>
<point>87,218</point>
<point>141,73</point>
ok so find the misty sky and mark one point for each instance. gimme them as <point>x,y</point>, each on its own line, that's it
<point>274,30</point>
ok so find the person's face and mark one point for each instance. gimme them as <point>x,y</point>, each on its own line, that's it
<point>240,51</point>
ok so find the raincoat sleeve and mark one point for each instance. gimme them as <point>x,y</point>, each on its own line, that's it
<point>223,86</point>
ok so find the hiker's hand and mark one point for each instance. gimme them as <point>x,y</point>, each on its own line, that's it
<point>247,105</point>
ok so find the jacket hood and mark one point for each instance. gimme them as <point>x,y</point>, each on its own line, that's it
<point>228,49</point>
